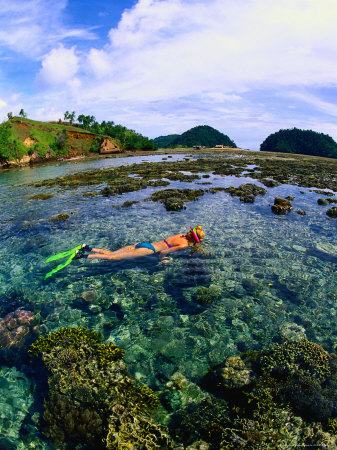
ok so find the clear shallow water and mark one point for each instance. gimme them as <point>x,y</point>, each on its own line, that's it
<point>271,276</point>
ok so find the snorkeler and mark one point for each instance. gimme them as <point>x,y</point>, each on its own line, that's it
<point>163,247</point>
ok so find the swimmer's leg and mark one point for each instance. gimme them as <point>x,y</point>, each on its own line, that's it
<point>123,253</point>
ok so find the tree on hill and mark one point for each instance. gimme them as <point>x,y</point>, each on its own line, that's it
<point>22,113</point>
<point>69,116</point>
<point>86,121</point>
<point>203,135</point>
<point>165,141</point>
<point>305,142</point>
<point>127,139</point>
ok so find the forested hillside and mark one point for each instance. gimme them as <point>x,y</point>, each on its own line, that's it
<point>22,138</point>
<point>306,142</point>
<point>165,141</point>
<point>202,135</point>
<point>127,139</point>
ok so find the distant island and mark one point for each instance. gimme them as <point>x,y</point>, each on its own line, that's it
<point>24,141</point>
<point>305,142</point>
<point>202,135</point>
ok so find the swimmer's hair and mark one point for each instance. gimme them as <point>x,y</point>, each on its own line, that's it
<point>199,231</point>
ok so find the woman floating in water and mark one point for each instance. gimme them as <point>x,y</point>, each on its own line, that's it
<point>168,245</point>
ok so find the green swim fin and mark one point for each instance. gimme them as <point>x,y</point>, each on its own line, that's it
<point>60,266</point>
<point>63,254</point>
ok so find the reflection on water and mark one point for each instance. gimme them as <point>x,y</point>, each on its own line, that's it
<point>261,277</point>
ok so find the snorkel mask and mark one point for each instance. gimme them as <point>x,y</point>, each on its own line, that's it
<point>194,232</point>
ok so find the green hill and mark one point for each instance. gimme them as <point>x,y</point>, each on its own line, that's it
<point>165,141</point>
<point>31,140</point>
<point>202,135</point>
<point>305,142</point>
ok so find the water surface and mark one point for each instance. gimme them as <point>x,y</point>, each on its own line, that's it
<point>268,276</point>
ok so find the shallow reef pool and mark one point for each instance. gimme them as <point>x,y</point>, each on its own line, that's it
<point>257,278</point>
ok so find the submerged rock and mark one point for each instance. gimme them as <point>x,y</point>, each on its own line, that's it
<point>40,196</point>
<point>332,212</point>
<point>281,206</point>
<point>326,247</point>
<point>89,296</point>
<point>292,331</point>
<point>16,328</point>
<point>59,218</point>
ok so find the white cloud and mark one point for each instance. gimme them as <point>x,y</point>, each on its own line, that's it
<point>172,48</point>
<point>58,67</point>
<point>99,64</point>
<point>172,64</point>
<point>32,27</point>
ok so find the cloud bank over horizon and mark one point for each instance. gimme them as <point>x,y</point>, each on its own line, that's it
<point>245,67</point>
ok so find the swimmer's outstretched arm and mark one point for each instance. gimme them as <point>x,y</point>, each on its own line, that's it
<point>163,253</point>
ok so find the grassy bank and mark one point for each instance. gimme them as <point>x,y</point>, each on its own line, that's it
<point>28,140</point>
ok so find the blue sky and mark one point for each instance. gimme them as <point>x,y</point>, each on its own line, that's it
<point>245,67</point>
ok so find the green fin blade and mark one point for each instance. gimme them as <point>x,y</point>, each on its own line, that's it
<point>63,254</point>
<point>60,266</point>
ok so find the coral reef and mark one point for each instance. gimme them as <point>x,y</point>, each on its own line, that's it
<point>17,328</point>
<point>269,182</point>
<point>281,206</point>
<point>206,295</point>
<point>281,397</point>
<point>234,374</point>
<point>246,192</point>
<point>92,400</point>
<point>299,170</point>
<point>174,199</point>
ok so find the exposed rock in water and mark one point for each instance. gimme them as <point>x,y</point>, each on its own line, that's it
<point>174,199</point>
<point>247,192</point>
<point>332,212</point>
<point>321,192</point>
<point>270,183</point>
<point>281,206</point>
<point>326,201</point>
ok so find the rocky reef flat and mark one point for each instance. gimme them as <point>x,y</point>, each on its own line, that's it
<point>230,346</point>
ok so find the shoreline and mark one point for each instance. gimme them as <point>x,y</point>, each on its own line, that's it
<point>251,154</point>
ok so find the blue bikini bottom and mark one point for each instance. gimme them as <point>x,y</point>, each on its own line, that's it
<point>146,245</point>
